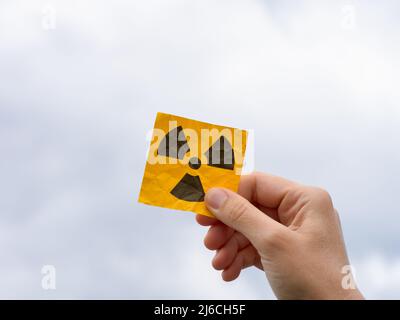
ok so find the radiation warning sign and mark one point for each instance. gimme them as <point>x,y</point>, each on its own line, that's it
<point>188,157</point>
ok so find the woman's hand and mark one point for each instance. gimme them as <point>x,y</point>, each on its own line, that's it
<point>290,231</point>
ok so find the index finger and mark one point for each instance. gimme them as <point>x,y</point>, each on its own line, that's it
<point>265,189</point>
<point>205,221</point>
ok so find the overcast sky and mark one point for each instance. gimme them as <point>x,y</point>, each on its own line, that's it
<point>81,82</point>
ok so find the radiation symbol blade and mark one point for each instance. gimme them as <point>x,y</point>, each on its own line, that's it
<point>221,154</point>
<point>174,144</point>
<point>189,189</point>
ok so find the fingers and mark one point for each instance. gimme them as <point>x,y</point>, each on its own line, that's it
<point>226,254</point>
<point>245,258</point>
<point>258,226</point>
<point>205,221</point>
<point>217,236</point>
<point>239,214</point>
<point>264,189</point>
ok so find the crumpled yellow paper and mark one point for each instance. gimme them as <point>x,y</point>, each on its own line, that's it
<point>187,158</point>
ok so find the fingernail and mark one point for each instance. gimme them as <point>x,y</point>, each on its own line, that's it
<point>215,198</point>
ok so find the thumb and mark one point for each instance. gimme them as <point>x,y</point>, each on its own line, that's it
<point>239,214</point>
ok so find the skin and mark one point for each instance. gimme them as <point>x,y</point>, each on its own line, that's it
<point>290,231</point>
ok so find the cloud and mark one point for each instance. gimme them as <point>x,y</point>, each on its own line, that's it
<point>378,276</point>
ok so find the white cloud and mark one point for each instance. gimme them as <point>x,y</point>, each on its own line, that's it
<point>379,277</point>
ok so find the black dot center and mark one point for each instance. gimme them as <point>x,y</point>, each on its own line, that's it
<point>195,163</point>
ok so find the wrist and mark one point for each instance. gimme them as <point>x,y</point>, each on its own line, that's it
<point>353,294</point>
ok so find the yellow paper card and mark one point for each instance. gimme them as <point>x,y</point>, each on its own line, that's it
<point>187,158</point>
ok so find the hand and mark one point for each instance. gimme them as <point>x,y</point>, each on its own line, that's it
<point>290,231</point>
